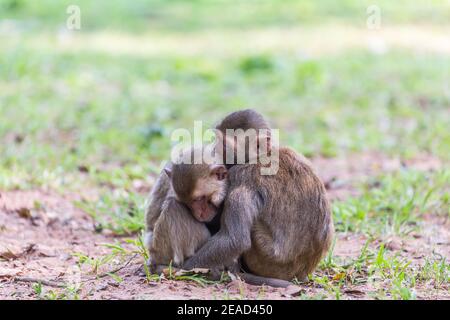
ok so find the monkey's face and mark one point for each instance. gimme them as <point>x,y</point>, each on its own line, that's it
<point>208,196</point>
<point>205,191</point>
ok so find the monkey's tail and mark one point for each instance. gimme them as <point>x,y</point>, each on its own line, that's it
<point>259,281</point>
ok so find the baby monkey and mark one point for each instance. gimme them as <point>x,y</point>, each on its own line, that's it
<point>177,225</point>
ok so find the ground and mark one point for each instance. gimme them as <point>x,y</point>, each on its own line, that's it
<point>60,243</point>
<point>87,117</point>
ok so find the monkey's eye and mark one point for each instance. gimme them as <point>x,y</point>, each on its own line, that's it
<point>202,198</point>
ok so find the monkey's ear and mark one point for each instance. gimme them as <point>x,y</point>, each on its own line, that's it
<point>219,171</point>
<point>168,171</point>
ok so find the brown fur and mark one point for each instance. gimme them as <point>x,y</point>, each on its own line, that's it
<point>296,245</point>
<point>177,235</point>
<point>243,119</point>
<point>172,233</point>
<point>281,224</point>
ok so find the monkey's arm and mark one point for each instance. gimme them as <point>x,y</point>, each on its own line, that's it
<point>240,210</point>
<point>153,206</point>
<point>155,200</point>
<point>177,235</point>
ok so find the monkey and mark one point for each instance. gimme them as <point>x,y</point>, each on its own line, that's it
<point>168,223</point>
<point>178,224</point>
<point>175,230</point>
<point>280,224</point>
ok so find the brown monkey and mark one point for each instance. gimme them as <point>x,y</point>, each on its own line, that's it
<point>280,224</point>
<point>173,232</point>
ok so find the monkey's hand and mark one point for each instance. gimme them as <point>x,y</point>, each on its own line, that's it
<point>207,257</point>
<point>234,238</point>
<point>157,268</point>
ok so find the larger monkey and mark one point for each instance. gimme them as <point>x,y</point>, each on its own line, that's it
<point>279,224</point>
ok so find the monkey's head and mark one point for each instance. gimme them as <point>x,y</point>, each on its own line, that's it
<point>243,119</point>
<point>242,132</point>
<point>201,187</point>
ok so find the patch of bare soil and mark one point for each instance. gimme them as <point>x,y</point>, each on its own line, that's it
<point>40,231</point>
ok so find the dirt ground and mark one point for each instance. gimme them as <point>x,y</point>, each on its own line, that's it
<point>38,242</point>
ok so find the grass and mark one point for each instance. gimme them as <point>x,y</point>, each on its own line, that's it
<point>93,110</point>
<point>201,14</point>
<point>390,204</point>
<point>123,214</point>
<point>118,128</point>
<point>385,273</point>
<point>394,204</point>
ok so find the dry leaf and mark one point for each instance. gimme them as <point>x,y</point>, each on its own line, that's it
<point>199,270</point>
<point>294,291</point>
<point>339,276</point>
<point>394,244</point>
<point>181,272</point>
<point>9,255</point>
<point>354,292</point>
<point>7,272</point>
<point>24,213</point>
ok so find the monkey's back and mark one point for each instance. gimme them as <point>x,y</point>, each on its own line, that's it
<point>177,235</point>
<point>294,227</point>
<point>172,234</point>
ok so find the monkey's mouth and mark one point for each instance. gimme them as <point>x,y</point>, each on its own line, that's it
<point>203,209</point>
<point>207,215</point>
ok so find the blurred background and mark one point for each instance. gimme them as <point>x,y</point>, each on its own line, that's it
<point>95,102</point>
<point>90,92</point>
